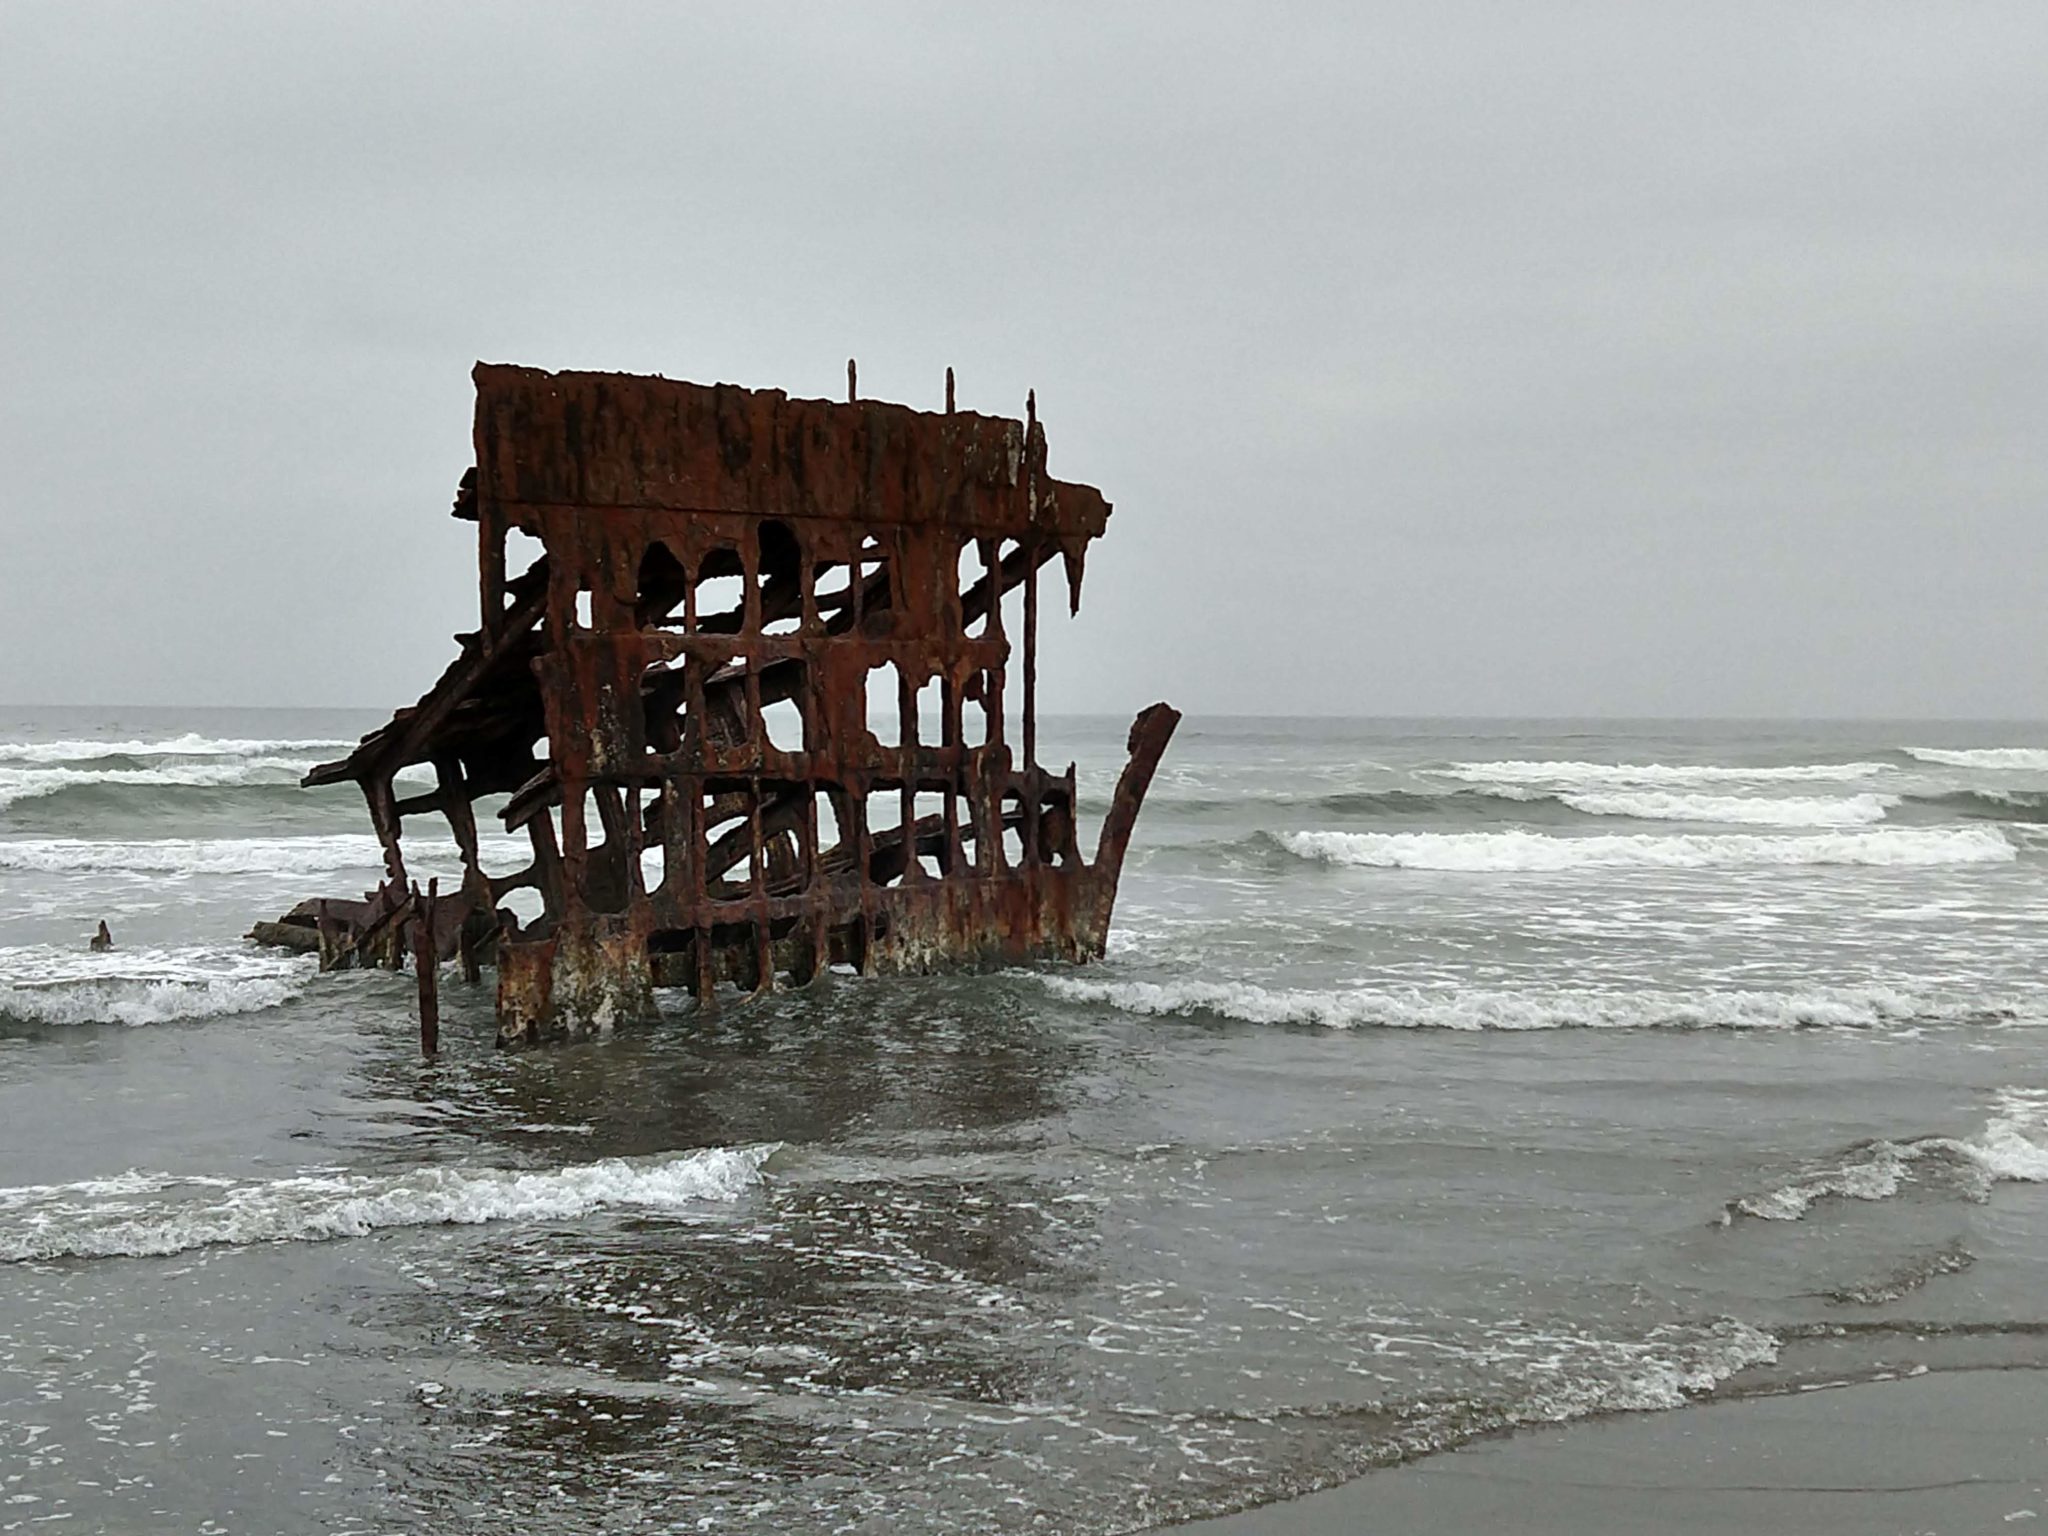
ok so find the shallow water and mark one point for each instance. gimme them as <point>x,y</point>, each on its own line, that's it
<point>1441,1077</point>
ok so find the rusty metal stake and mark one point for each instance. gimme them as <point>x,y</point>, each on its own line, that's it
<point>465,947</point>
<point>426,961</point>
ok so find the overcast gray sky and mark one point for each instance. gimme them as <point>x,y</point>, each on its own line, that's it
<point>1529,359</point>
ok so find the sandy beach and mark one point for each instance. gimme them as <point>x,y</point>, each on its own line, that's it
<point>1947,1453</point>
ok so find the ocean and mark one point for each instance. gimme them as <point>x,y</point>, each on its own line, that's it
<point>1442,1077</point>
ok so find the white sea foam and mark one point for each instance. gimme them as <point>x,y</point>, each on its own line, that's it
<point>1568,774</point>
<point>143,1214</point>
<point>1466,1009</point>
<point>187,745</point>
<point>1569,1376</point>
<point>1736,810</point>
<point>2013,1145</point>
<point>113,1186</point>
<point>1875,1173</point>
<point>31,783</point>
<point>142,1002</point>
<point>2012,1148</point>
<point>40,984</point>
<point>2035,758</point>
<point>1518,851</point>
<point>204,856</point>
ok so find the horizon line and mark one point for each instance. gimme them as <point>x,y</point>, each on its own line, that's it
<point>1198,714</point>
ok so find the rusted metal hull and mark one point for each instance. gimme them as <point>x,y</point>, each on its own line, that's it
<point>752,702</point>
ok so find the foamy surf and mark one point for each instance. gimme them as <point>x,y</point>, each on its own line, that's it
<point>207,856</point>
<point>1466,1009</point>
<point>1572,773</point>
<point>1871,1172</point>
<point>2014,1143</point>
<point>17,784</point>
<point>2012,1148</point>
<point>1523,851</point>
<point>130,1001</point>
<point>188,745</point>
<point>40,984</point>
<point>1570,1376</point>
<point>149,1214</point>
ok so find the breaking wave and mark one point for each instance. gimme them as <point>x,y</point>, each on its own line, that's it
<point>1873,1171</point>
<point>2012,1148</point>
<point>2035,758</point>
<point>18,784</point>
<point>1546,1373</point>
<point>1524,771</point>
<point>1733,810</point>
<point>187,745</point>
<point>140,1214</point>
<point>1990,804</point>
<point>1521,851</point>
<point>204,856</point>
<point>1561,806</point>
<point>128,1001</point>
<point>1464,1009</point>
<point>1567,1376</point>
<point>1615,793</point>
<point>47,986</point>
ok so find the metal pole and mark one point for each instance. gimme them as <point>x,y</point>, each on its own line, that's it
<point>426,961</point>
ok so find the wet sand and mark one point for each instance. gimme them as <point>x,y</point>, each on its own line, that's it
<point>1952,1452</point>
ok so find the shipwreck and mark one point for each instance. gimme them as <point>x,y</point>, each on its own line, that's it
<point>747,702</point>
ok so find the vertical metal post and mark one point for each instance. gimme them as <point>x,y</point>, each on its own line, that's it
<point>757,884</point>
<point>426,960</point>
<point>906,704</point>
<point>1029,548</point>
<point>1032,786</point>
<point>1031,656</point>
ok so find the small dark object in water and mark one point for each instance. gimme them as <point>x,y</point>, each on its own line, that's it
<point>103,940</point>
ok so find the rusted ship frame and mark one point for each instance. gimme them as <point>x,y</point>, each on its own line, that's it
<point>711,558</point>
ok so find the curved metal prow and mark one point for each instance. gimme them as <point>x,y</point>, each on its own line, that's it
<point>1150,733</point>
